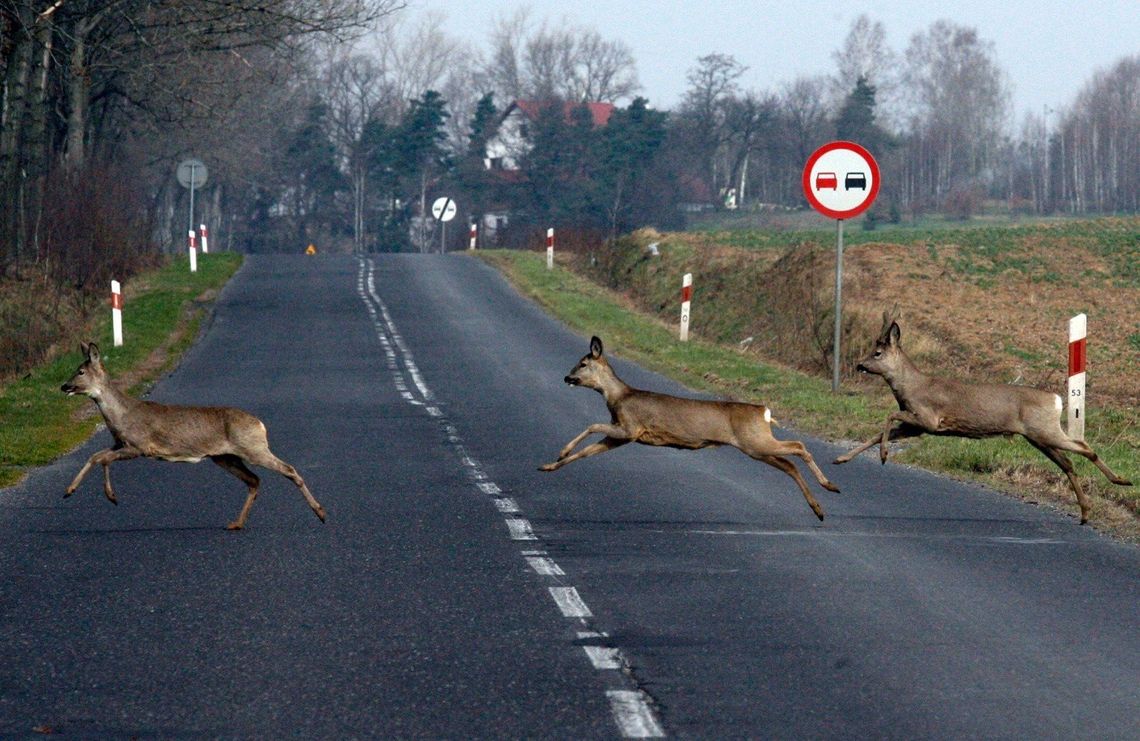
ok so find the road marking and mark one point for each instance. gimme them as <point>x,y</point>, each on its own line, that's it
<point>604,658</point>
<point>630,708</point>
<point>520,529</point>
<point>633,715</point>
<point>569,602</point>
<point>544,566</point>
<point>506,505</point>
<point>820,533</point>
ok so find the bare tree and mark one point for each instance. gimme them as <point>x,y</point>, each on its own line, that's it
<point>1098,148</point>
<point>574,64</point>
<point>704,114</point>
<point>959,108</point>
<point>865,55</point>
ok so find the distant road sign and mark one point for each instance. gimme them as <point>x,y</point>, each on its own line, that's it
<point>841,179</point>
<point>443,209</point>
<point>192,172</point>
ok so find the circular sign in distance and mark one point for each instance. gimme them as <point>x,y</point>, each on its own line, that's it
<point>443,209</point>
<point>841,179</point>
<point>192,172</point>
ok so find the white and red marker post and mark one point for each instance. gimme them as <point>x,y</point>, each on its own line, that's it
<point>1078,328</point>
<point>686,304</point>
<point>117,313</point>
<point>193,253</point>
<point>550,248</point>
<point>205,240</point>
<point>472,235</point>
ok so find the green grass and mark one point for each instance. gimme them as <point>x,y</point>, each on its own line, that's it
<point>39,421</point>
<point>802,402</point>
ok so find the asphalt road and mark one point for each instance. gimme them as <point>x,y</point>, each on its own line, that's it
<point>457,592</point>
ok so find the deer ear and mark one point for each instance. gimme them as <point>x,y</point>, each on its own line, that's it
<point>92,352</point>
<point>895,333</point>
<point>596,347</point>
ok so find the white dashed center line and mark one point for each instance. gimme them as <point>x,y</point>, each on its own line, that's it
<point>631,708</point>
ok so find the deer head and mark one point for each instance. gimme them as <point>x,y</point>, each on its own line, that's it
<point>593,370</point>
<point>90,376</point>
<point>887,355</point>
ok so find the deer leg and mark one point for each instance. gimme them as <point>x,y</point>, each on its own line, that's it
<point>908,420</point>
<point>1080,447</point>
<point>1066,465</point>
<point>604,429</point>
<point>273,463</point>
<point>789,468</point>
<point>103,458</point>
<point>898,433</point>
<point>606,443</point>
<point>796,448</point>
<point>234,465</point>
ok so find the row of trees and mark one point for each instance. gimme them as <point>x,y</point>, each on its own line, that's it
<point>938,121</point>
<point>116,92</point>
<point>338,121</point>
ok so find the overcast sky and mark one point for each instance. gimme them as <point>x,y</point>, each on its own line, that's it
<point>1048,48</point>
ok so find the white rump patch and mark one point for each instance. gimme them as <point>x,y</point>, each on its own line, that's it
<point>1057,402</point>
<point>767,414</point>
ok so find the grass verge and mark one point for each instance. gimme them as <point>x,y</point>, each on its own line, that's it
<point>805,403</point>
<point>161,316</point>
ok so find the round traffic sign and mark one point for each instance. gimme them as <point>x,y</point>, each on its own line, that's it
<point>443,209</point>
<point>192,172</point>
<point>841,179</point>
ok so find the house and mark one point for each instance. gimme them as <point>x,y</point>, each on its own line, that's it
<point>512,141</point>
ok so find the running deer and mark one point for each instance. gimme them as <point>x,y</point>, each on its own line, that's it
<point>941,406</point>
<point>229,437</point>
<point>651,418</point>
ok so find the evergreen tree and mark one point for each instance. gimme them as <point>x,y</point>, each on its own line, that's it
<point>628,151</point>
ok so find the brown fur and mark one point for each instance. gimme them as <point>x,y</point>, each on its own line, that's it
<point>941,406</point>
<point>229,437</point>
<point>651,418</point>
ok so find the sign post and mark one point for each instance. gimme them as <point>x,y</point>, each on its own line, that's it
<point>205,241</point>
<point>840,180</point>
<point>443,209</point>
<point>550,248</point>
<point>191,173</point>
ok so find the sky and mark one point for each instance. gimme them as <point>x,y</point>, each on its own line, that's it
<point>1048,48</point>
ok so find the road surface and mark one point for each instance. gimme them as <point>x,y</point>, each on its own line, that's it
<point>457,592</point>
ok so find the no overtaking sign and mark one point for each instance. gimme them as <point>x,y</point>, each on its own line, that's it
<point>841,179</point>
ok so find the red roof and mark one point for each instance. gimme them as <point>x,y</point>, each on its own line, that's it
<point>600,112</point>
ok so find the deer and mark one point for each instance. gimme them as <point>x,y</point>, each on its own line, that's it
<point>652,418</point>
<point>953,408</point>
<point>230,437</point>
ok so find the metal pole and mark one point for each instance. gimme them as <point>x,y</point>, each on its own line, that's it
<point>838,305</point>
<point>192,178</point>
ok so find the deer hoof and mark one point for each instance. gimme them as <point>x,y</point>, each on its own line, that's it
<point>320,513</point>
<point>548,467</point>
<point>235,526</point>
<point>831,487</point>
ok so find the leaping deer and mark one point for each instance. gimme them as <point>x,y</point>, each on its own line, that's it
<point>229,437</point>
<point>651,418</point>
<point>942,406</point>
